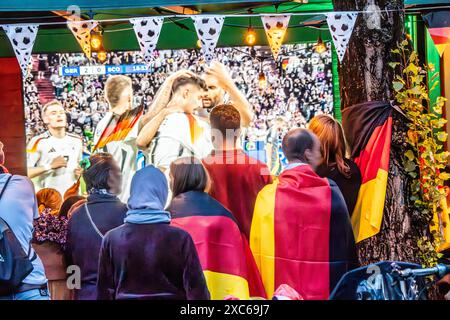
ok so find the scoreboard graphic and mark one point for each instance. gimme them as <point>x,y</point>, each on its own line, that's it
<point>75,71</point>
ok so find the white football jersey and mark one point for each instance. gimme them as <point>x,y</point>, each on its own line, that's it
<point>180,135</point>
<point>41,151</point>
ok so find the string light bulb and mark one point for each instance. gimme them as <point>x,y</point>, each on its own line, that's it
<point>262,80</point>
<point>199,43</point>
<point>320,46</point>
<point>101,54</point>
<point>250,36</point>
<point>96,40</point>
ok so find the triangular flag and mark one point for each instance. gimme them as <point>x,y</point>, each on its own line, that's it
<point>275,27</point>
<point>441,48</point>
<point>22,38</point>
<point>147,32</point>
<point>341,26</point>
<point>441,38</point>
<point>208,31</point>
<point>440,35</point>
<point>82,32</point>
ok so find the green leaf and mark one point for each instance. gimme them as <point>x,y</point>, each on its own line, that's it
<point>397,85</point>
<point>413,174</point>
<point>410,166</point>
<point>393,65</point>
<point>415,90</point>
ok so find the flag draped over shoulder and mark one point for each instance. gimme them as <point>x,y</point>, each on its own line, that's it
<point>301,234</point>
<point>118,130</point>
<point>224,253</point>
<point>368,129</point>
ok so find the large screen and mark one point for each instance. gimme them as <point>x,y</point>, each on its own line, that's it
<point>294,89</point>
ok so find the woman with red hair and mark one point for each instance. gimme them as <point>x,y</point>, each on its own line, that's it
<point>335,165</point>
<point>49,240</point>
<point>49,199</point>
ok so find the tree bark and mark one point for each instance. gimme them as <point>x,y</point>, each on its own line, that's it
<point>365,75</point>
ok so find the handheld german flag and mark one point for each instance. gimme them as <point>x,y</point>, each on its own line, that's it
<point>368,129</point>
<point>224,253</point>
<point>118,129</point>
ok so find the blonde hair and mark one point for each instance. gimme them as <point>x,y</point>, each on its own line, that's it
<point>49,104</point>
<point>332,142</point>
<point>115,87</point>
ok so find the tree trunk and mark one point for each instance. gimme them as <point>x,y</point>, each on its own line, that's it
<point>365,75</point>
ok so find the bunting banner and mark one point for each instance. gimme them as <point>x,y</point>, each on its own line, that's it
<point>438,24</point>
<point>368,129</point>
<point>147,32</point>
<point>275,27</point>
<point>208,31</point>
<point>22,39</point>
<point>341,26</point>
<point>82,32</point>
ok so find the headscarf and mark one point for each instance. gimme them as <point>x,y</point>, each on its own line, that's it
<point>148,196</point>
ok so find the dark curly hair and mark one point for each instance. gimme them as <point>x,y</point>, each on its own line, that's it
<point>97,175</point>
<point>225,117</point>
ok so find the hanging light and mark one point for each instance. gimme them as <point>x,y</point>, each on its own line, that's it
<point>262,80</point>
<point>320,45</point>
<point>250,36</point>
<point>101,54</point>
<point>96,40</point>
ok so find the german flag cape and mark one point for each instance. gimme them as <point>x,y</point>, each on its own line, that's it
<point>301,234</point>
<point>368,129</point>
<point>118,129</point>
<point>227,262</point>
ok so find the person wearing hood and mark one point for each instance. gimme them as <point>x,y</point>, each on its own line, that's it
<point>147,258</point>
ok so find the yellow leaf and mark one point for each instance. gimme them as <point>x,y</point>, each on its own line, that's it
<point>410,154</point>
<point>442,136</point>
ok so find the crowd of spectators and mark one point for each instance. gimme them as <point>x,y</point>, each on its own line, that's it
<point>296,87</point>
